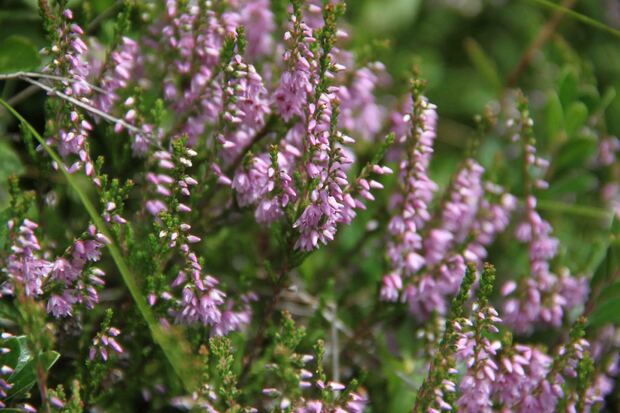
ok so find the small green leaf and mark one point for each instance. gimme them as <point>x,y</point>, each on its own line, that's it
<point>5,215</point>
<point>18,53</point>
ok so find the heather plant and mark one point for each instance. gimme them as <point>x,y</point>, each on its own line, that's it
<point>252,205</point>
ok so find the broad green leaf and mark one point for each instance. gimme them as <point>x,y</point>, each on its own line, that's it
<point>27,377</point>
<point>19,355</point>
<point>554,118</point>
<point>607,98</point>
<point>576,116</point>
<point>573,153</point>
<point>606,313</point>
<point>577,182</point>
<point>610,265</point>
<point>23,363</point>
<point>567,90</point>
<point>9,161</point>
<point>611,292</point>
<point>18,53</point>
<point>483,63</point>
<point>605,284</point>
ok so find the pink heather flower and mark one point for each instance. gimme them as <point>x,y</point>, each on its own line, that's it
<point>60,306</point>
<point>126,60</point>
<point>458,214</point>
<point>400,121</point>
<point>255,185</point>
<point>250,93</point>
<point>200,299</point>
<point>405,245</point>
<point>479,353</point>
<point>331,202</point>
<point>104,342</point>
<point>546,296</point>
<point>296,82</point>
<point>245,108</point>
<point>75,280</point>
<point>258,20</point>
<point>24,267</point>
<point>520,374</point>
<point>607,150</point>
<point>69,61</point>
<point>360,112</point>
<point>493,218</point>
<point>604,352</point>
<point>392,285</point>
<point>235,320</point>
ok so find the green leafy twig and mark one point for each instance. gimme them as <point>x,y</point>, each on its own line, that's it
<point>171,343</point>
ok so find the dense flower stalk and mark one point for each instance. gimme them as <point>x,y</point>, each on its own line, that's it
<point>428,249</point>
<point>545,296</point>
<point>69,63</point>
<point>405,247</point>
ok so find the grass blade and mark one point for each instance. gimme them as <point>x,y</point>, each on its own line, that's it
<point>578,16</point>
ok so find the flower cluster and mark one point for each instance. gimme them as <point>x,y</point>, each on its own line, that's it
<point>428,250</point>
<point>69,65</point>
<point>104,342</point>
<point>545,296</point>
<point>201,300</point>
<point>67,281</point>
<point>502,375</point>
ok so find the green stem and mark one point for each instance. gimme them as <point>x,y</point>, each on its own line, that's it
<point>169,341</point>
<point>578,16</point>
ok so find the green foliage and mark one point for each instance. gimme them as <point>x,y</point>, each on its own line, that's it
<point>604,302</point>
<point>18,53</point>
<point>24,364</point>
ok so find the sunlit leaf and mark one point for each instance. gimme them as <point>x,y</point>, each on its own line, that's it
<point>18,53</point>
